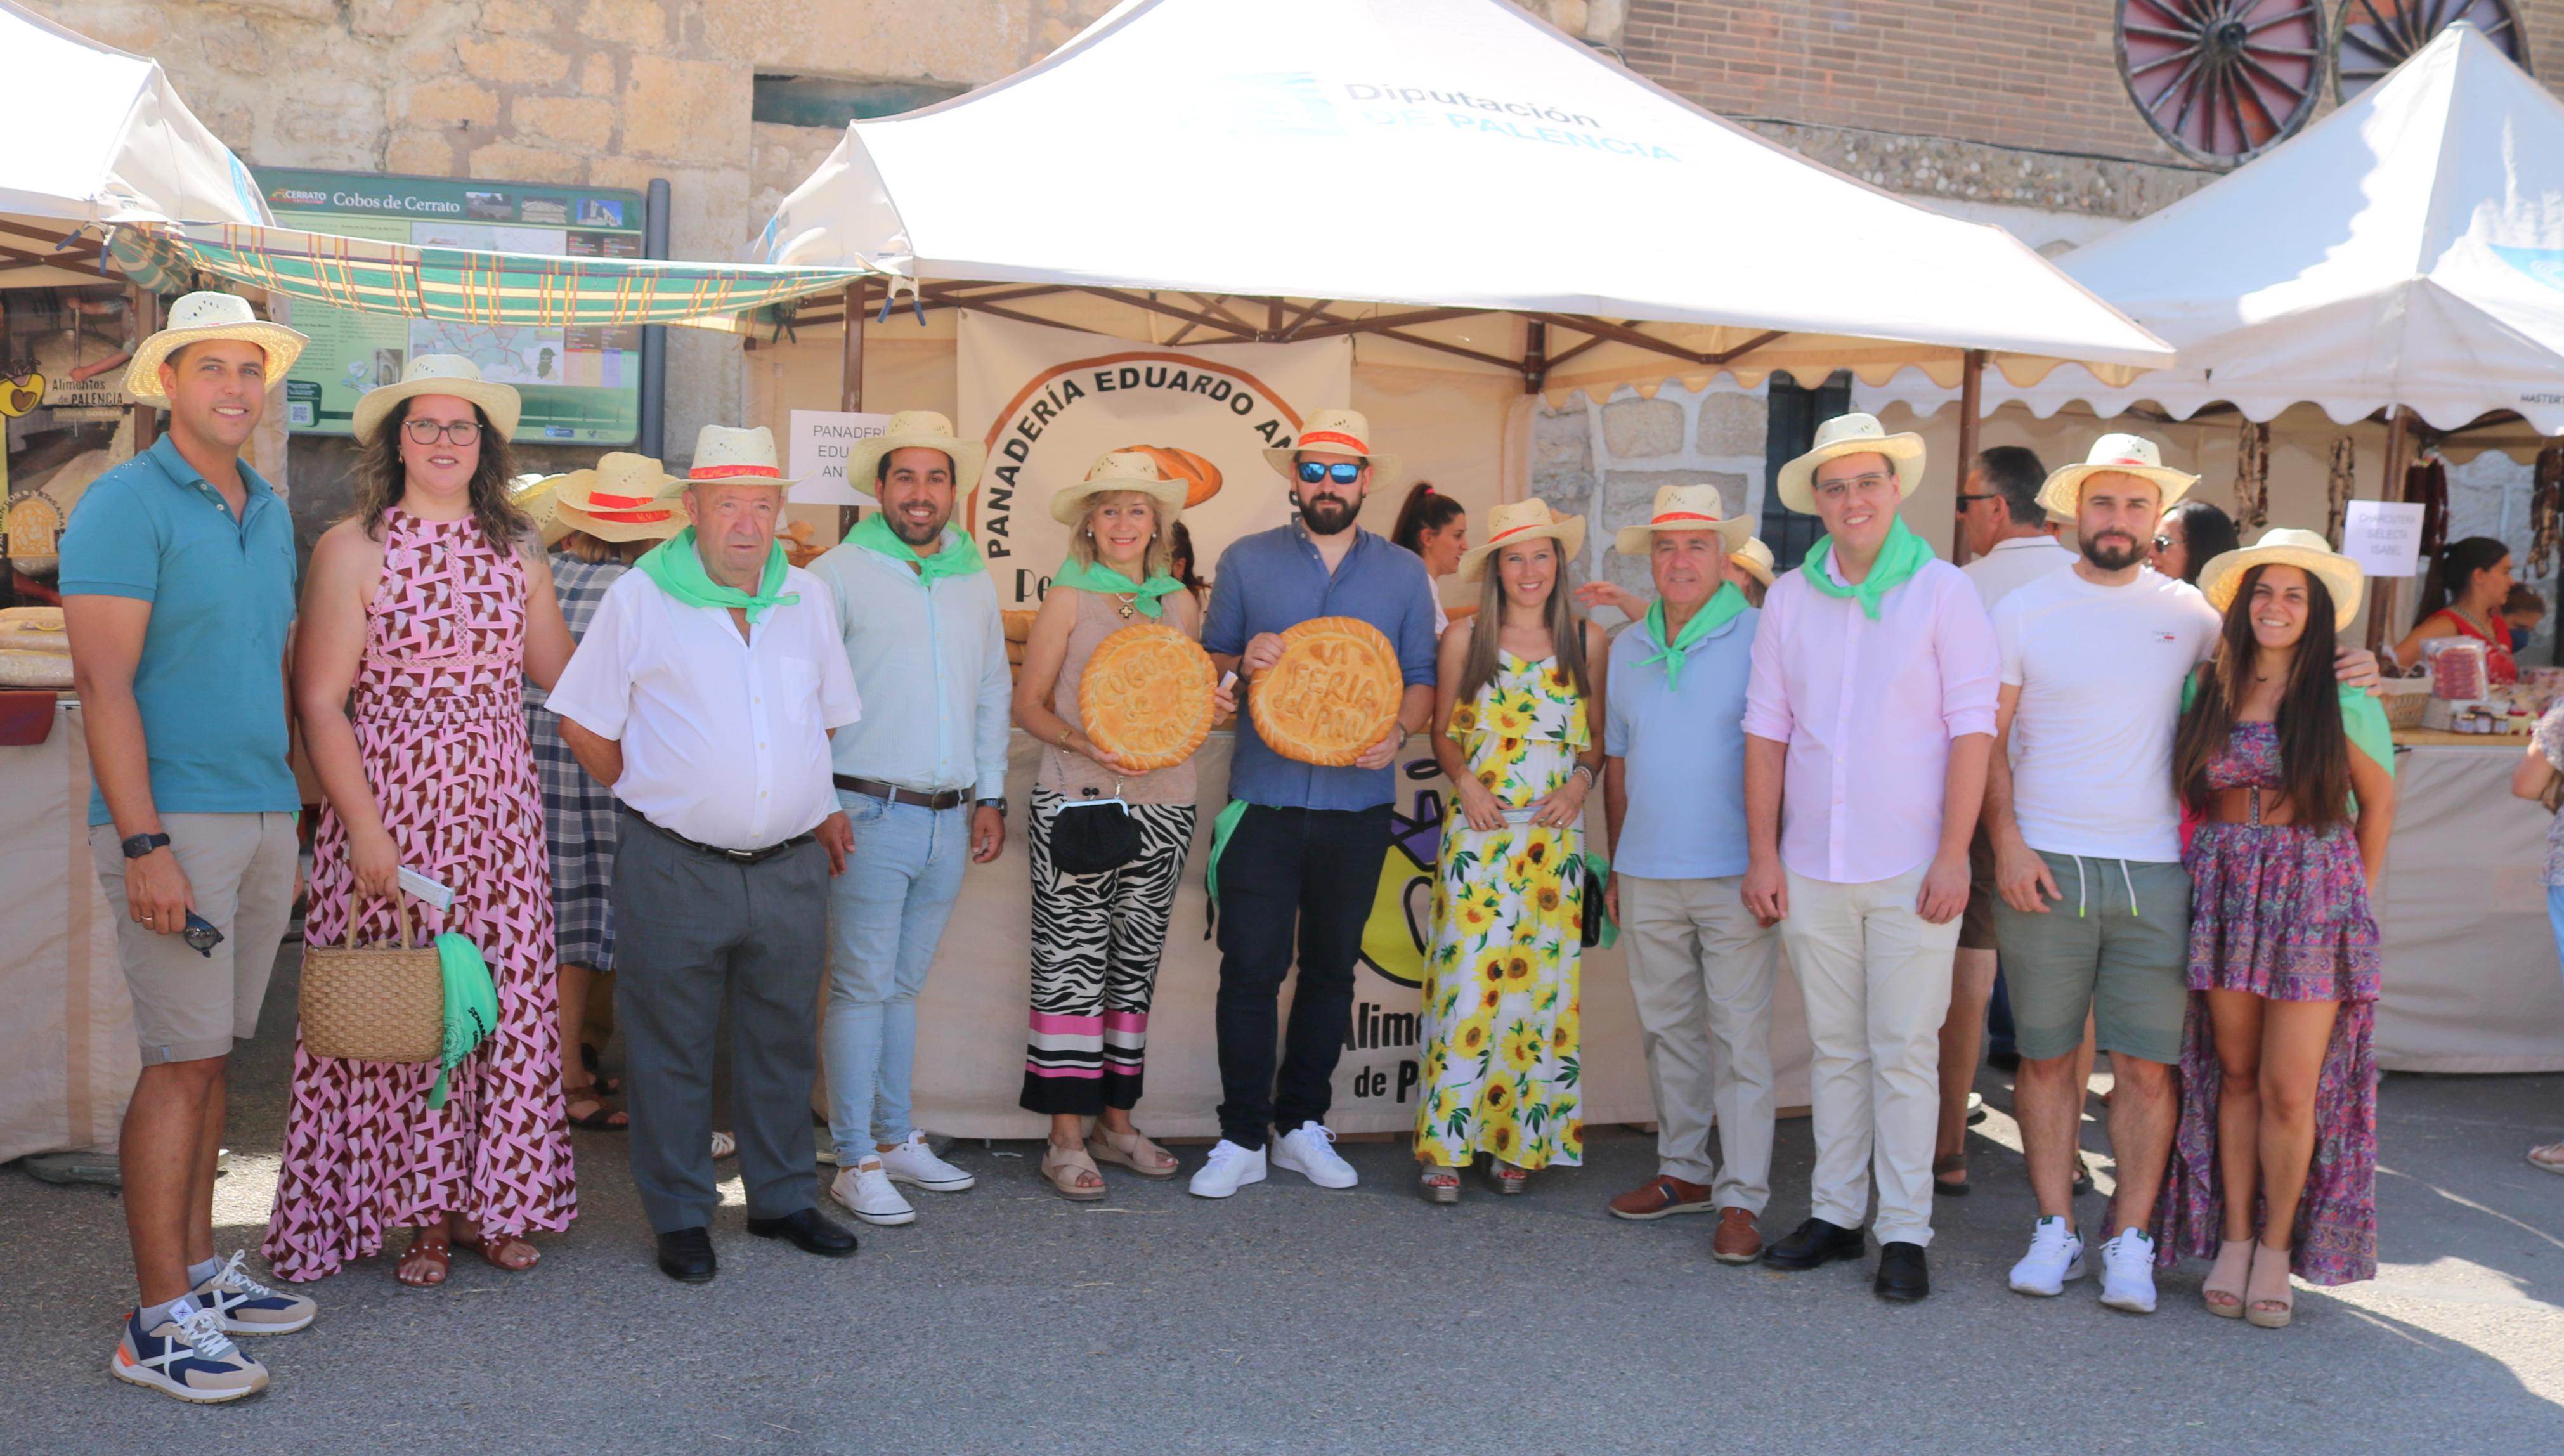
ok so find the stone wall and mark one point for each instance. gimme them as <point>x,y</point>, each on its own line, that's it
<point>1604,461</point>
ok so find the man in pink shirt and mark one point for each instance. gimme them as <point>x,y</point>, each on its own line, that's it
<point>1869,718</point>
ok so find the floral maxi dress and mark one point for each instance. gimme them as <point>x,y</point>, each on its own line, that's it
<point>1500,1026</point>
<point>440,719</point>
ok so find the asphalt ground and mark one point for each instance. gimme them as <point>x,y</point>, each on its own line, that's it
<point>1294,1319</point>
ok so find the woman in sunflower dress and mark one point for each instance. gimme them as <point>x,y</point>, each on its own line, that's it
<point>1519,701</point>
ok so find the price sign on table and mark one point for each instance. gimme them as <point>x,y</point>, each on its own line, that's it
<point>2383,536</point>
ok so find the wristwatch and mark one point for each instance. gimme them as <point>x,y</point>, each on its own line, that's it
<point>142,844</point>
<point>998,804</point>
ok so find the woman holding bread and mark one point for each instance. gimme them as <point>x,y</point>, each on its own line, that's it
<point>1097,936</point>
<point>1518,705</point>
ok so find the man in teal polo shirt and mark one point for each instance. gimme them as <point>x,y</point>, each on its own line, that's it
<point>177,582</point>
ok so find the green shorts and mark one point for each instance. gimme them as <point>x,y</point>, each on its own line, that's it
<point>2097,953</point>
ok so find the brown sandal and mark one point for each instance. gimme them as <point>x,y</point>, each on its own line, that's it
<point>1133,1151</point>
<point>497,1251</point>
<point>1060,1166</point>
<point>433,1247</point>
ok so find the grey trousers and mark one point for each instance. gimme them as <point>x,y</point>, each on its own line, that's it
<point>693,932</point>
<point>1701,971</point>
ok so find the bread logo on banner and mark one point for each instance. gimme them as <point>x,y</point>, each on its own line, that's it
<point>1201,478</point>
<point>19,395</point>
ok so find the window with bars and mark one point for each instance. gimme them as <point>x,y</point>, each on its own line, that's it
<point>1789,432</point>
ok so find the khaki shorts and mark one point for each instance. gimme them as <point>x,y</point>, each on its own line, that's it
<point>188,1006</point>
<point>2094,952</point>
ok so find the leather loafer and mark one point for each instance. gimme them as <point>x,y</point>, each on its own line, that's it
<point>686,1255</point>
<point>1902,1275</point>
<point>808,1230</point>
<point>1815,1243</point>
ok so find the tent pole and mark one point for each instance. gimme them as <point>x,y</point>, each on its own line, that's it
<point>2382,603</point>
<point>1971,376</point>
<point>144,305</point>
<point>850,381</point>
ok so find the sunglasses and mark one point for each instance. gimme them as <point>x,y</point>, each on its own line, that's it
<point>427,432</point>
<point>2163,543</point>
<point>1312,472</point>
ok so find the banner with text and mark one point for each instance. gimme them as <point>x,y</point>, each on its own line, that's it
<point>1048,401</point>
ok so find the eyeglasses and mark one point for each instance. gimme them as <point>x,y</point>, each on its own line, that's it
<point>1966,501</point>
<point>427,432</point>
<point>1868,485</point>
<point>1312,472</point>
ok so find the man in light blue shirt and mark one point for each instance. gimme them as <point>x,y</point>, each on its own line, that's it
<point>923,778</point>
<point>1701,966</point>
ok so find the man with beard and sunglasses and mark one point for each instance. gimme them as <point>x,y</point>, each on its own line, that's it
<point>1297,853</point>
<point>2094,914</point>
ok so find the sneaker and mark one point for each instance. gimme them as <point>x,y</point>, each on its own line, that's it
<point>248,1307</point>
<point>1230,1168</point>
<point>1310,1153</point>
<point>189,1357</point>
<point>914,1164</point>
<point>866,1191</point>
<point>2128,1273</point>
<point>2055,1258</point>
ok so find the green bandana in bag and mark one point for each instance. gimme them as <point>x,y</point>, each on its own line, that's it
<point>1899,559</point>
<point>1096,577</point>
<point>1714,613</point>
<point>471,1006</point>
<point>678,570</point>
<point>957,559</point>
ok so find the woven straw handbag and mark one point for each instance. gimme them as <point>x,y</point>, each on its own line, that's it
<point>384,1002</point>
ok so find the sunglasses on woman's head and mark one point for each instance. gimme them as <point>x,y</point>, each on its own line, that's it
<point>1312,472</point>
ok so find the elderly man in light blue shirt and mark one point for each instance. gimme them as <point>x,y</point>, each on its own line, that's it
<point>923,778</point>
<point>1701,966</point>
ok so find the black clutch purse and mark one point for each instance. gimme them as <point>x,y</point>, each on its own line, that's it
<point>1093,836</point>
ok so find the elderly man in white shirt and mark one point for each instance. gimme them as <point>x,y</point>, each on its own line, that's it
<point>705,692</point>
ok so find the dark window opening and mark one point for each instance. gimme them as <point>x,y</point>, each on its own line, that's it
<point>1789,432</point>
<point>830,102</point>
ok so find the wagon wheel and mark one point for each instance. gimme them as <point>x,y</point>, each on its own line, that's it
<point>2379,35</point>
<point>2222,80</point>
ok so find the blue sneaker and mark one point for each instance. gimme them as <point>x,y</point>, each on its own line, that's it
<point>248,1307</point>
<point>190,1358</point>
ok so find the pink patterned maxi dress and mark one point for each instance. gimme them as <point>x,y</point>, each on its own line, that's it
<point>440,718</point>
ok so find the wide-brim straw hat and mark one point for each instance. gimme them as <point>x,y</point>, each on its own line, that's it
<point>197,317</point>
<point>1518,521</point>
<point>1851,434</point>
<point>625,498</point>
<point>536,494</point>
<point>2286,545</point>
<point>1755,558</point>
<point>917,429</point>
<point>450,375</point>
<point>2062,494</point>
<point>1337,432</point>
<point>1122,469</point>
<point>724,454</point>
<point>1684,508</point>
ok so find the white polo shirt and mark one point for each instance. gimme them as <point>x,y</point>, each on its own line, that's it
<point>725,740</point>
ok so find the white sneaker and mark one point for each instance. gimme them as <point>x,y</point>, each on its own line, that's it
<point>2128,1273</point>
<point>912,1163</point>
<point>866,1191</point>
<point>2055,1258</point>
<point>247,1307</point>
<point>1308,1153</point>
<point>1230,1168</point>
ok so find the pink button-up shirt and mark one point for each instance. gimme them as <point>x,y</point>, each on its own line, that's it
<point>1868,710</point>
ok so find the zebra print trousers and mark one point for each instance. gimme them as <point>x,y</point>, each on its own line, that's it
<point>1096,943</point>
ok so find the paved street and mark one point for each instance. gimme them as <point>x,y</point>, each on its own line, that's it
<point>1291,1318</point>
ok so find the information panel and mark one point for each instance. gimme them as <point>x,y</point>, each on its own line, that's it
<point>580,385</point>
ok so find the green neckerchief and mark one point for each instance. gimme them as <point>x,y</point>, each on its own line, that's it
<point>679,570</point>
<point>1096,577</point>
<point>471,1006</point>
<point>1220,829</point>
<point>1714,613</point>
<point>957,559</point>
<point>1902,555</point>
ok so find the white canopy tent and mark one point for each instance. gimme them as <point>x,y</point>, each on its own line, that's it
<point>2407,250</point>
<point>1450,175</point>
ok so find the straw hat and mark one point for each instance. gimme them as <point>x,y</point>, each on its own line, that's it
<point>917,429</point>
<point>724,454</point>
<point>1852,434</point>
<point>2286,545</point>
<point>1517,522</point>
<point>1683,507</point>
<point>1755,558</point>
<point>198,318</point>
<point>2128,455</point>
<point>1337,432</point>
<point>1122,469</point>
<point>439,374</point>
<point>536,494</point>
<point>626,498</point>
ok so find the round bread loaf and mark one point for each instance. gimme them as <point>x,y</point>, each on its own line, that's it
<point>1333,694</point>
<point>1146,695</point>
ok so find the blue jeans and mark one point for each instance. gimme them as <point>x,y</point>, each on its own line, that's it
<point>2555,915</point>
<point>885,916</point>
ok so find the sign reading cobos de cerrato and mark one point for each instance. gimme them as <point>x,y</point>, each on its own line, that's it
<point>1048,401</point>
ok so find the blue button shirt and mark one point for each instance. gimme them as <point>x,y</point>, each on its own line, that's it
<point>1276,579</point>
<point>1684,752</point>
<point>210,682</point>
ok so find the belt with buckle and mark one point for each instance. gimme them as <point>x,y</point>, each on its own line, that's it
<point>734,856</point>
<point>950,798</point>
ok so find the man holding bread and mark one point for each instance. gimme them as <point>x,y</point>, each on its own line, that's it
<point>1296,857</point>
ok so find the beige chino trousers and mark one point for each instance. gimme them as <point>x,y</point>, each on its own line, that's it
<point>1701,971</point>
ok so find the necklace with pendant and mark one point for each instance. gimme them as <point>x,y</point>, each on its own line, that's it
<point>1130,602</point>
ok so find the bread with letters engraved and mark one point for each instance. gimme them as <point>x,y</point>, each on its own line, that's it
<point>1146,695</point>
<point>1334,692</point>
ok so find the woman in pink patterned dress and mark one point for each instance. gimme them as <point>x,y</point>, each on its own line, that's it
<point>422,616</point>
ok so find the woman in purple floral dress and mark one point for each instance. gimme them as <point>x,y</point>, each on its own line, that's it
<point>2274,1164</point>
